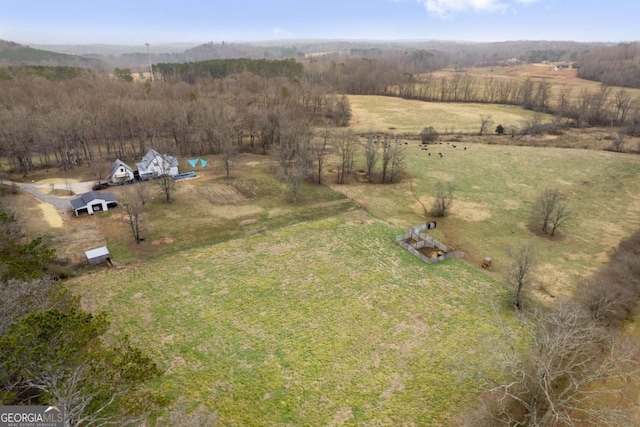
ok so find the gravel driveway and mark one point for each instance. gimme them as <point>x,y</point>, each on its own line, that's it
<point>59,203</point>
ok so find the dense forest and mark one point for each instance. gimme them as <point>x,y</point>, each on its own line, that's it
<point>612,65</point>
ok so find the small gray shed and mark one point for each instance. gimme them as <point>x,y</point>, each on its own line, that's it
<point>98,255</point>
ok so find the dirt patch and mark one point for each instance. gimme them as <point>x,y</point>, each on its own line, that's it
<point>51,215</point>
<point>57,192</point>
<point>465,211</point>
<point>511,205</point>
<point>163,240</point>
<point>343,415</point>
<point>218,194</point>
<point>551,282</point>
<point>470,211</point>
<point>430,252</point>
<point>58,181</point>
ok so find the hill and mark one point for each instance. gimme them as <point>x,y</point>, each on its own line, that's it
<point>16,54</point>
<point>113,49</point>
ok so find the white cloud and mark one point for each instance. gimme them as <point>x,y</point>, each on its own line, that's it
<point>444,8</point>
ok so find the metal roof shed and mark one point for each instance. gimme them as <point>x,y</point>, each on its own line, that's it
<point>98,255</point>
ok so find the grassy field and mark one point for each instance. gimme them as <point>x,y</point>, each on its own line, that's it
<point>383,113</point>
<point>277,314</point>
<point>326,322</point>
<point>495,189</point>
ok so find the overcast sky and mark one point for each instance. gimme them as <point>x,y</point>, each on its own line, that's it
<point>160,21</point>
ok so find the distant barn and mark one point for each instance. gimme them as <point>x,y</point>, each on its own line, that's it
<point>98,255</point>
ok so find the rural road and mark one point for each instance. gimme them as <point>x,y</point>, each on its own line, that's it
<point>57,202</point>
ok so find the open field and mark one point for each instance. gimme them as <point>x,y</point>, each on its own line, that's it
<point>326,322</point>
<point>277,314</point>
<point>558,79</point>
<point>496,186</point>
<point>408,116</point>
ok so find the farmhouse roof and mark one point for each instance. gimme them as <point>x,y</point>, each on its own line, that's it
<point>152,154</point>
<point>97,252</point>
<point>116,165</point>
<point>86,198</point>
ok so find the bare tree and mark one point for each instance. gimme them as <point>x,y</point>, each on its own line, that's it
<point>225,134</point>
<point>142,191</point>
<point>533,125</point>
<point>443,198</point>
<point>617,141</point>
<point>295,177</point>
<point>134,206</point>
<point>549,208</point>
<point>559,216</point>
<point>371,154</point>
<point>319,149</point>
<point>397,155</point>
<point>346,147</point>
<point>485,123</point>
<point>518,277</point>
<point>165,182</point>
<point>576,373</point>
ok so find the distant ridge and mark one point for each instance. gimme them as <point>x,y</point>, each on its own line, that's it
<point>12,53</point>
<point>114,49</point>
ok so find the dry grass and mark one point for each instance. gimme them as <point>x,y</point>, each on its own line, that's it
<point>382,113</point>
<point>495,186</point>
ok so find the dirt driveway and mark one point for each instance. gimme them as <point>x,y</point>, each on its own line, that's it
<point>61,204</point>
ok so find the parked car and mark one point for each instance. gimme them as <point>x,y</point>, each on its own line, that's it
<point>100,186</point>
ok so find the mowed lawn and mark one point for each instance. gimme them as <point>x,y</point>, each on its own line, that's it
<point>326,322</point>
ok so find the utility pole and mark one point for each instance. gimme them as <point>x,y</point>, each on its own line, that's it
<point>149,59</point>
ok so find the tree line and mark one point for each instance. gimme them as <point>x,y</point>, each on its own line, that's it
<point>617,65</point>
<point>605,106</point>
<point>220,68</point>
<point>65,123</point>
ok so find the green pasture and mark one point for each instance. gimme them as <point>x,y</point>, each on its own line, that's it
<point>326,322</point>
<point>384,113</point>
<point>495,188</point>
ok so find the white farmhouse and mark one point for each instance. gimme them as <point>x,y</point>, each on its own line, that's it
<point>120,173</point>
<point>154,164</point>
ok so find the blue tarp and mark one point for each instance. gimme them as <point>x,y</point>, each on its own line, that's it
<point>193,162</point>
<point>203,162</point>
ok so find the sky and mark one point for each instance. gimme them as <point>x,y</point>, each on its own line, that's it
<point>134,22</point>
